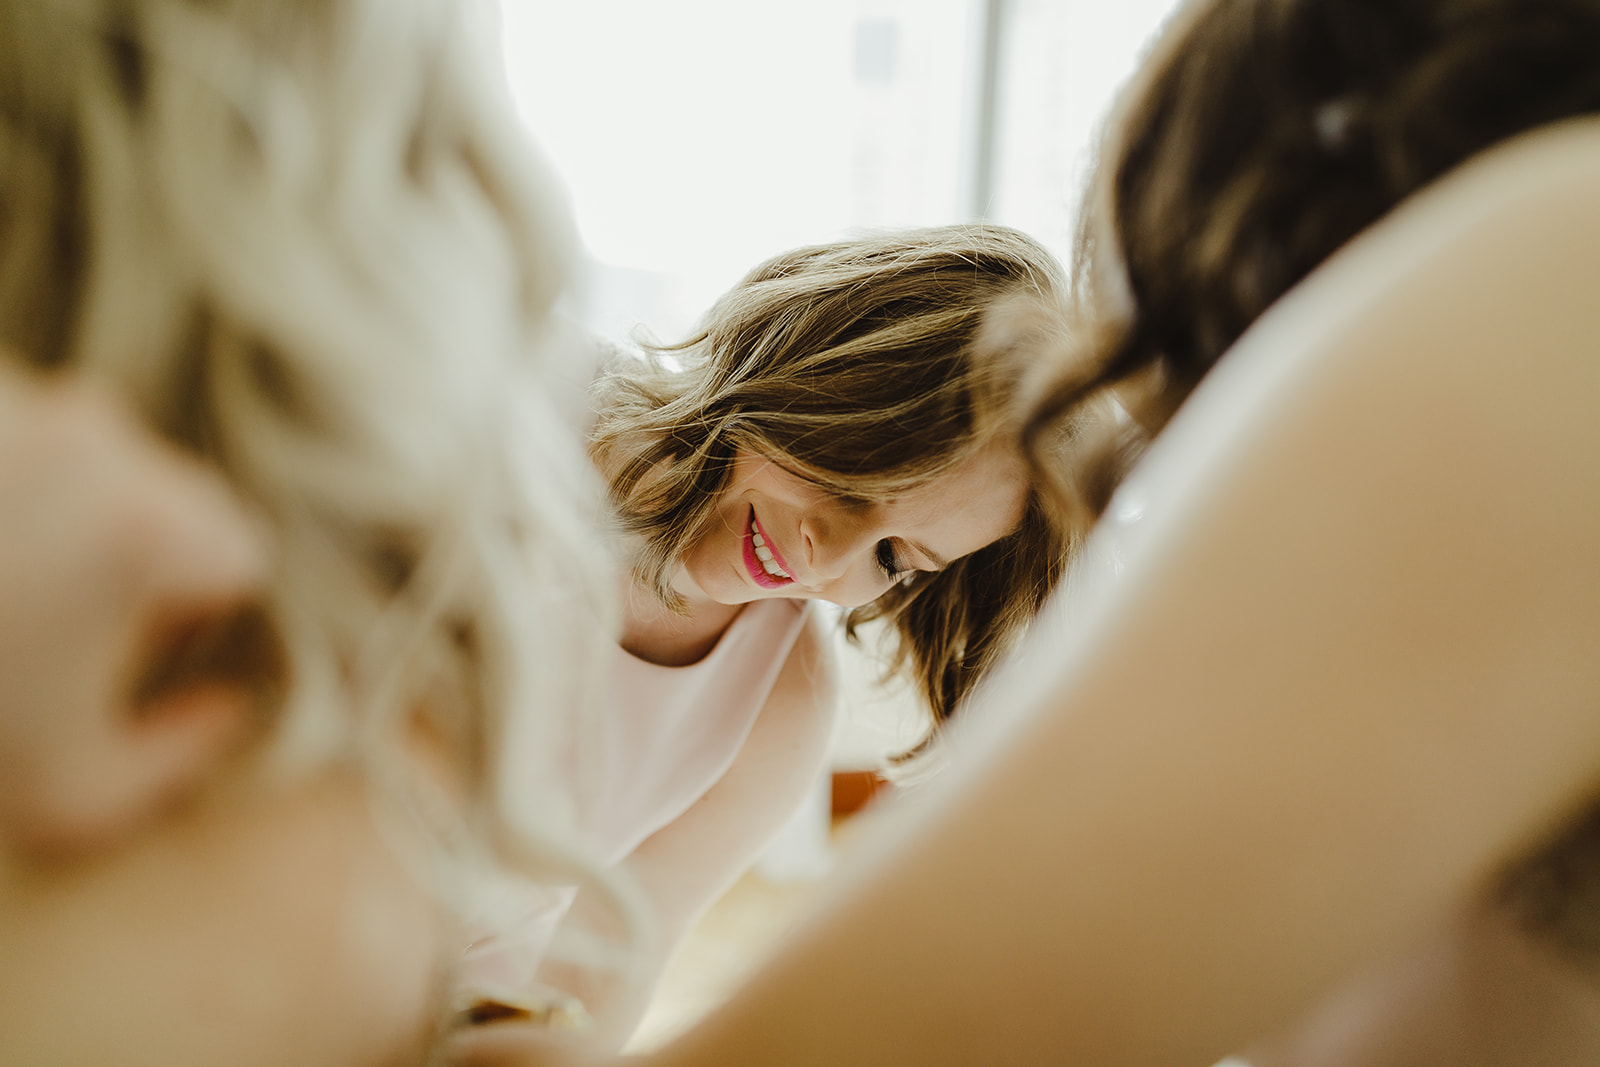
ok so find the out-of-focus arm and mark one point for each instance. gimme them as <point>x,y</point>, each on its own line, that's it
<point>1348,672</point>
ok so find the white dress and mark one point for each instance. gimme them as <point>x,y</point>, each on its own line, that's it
<point>661,739</point>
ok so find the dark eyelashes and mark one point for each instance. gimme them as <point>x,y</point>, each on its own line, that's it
<point>888,562</point>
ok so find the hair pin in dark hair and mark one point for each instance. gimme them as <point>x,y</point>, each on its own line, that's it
<point>1336,121</point>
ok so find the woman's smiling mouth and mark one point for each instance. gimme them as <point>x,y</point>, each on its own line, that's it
<point>761,557</point>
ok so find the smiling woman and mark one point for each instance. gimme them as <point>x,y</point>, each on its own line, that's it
<point>863,375</point>
<point>794,538</point>
<point>841,429</point>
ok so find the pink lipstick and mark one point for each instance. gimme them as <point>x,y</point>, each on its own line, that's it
<point>761,558</point>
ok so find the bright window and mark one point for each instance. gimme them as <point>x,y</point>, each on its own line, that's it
<point>699,137</point>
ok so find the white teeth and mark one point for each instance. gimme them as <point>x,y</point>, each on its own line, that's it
<point>764,554</point>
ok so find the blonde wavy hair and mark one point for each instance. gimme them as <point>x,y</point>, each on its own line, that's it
<point>308,240</point>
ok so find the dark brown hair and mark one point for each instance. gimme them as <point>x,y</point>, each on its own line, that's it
<point>1262,136</point>
<point>866,367</point>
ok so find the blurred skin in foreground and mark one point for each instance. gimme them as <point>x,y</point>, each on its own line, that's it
<point>148,912</point>
<point>124,563</point>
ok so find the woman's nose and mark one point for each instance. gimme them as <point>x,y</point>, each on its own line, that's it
<point>834,546</point>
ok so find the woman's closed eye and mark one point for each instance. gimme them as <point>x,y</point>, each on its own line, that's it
<point>888,562</point>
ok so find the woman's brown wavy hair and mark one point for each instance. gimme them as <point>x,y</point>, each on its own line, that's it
<point>867,367</point>
<point>1261,136</point>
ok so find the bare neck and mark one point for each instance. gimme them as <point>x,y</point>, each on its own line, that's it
<point>656,634</point>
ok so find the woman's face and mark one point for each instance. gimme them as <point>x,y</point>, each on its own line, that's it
<point>776,535</point>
